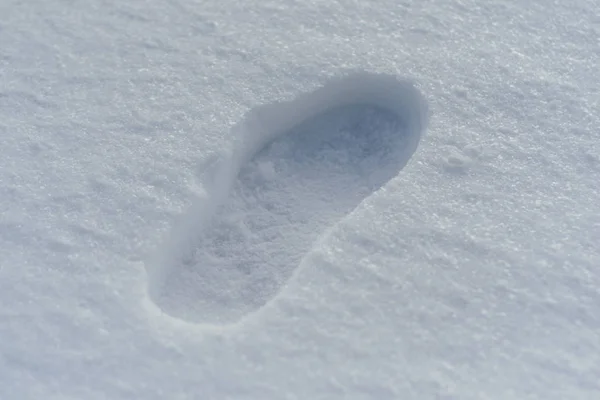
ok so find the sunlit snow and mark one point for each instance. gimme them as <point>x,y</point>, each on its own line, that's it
<point>391,199</point>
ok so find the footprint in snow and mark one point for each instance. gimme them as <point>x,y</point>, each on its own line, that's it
<point>296,168</point>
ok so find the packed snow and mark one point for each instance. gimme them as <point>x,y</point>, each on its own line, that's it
<point>392,199</point>
<point>336,146</point>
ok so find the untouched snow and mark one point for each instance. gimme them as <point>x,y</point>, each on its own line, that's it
<point>358,255</point>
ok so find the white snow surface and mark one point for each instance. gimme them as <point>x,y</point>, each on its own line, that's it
<point>317,199</point>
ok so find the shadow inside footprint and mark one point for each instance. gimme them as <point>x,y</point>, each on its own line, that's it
<point>280,200</point>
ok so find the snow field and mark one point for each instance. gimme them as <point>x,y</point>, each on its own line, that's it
<point>471,274</point>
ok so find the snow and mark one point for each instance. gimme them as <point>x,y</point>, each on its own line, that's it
<point>390,257</point>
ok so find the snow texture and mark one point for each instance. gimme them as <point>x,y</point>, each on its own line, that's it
<point>387,199</point>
